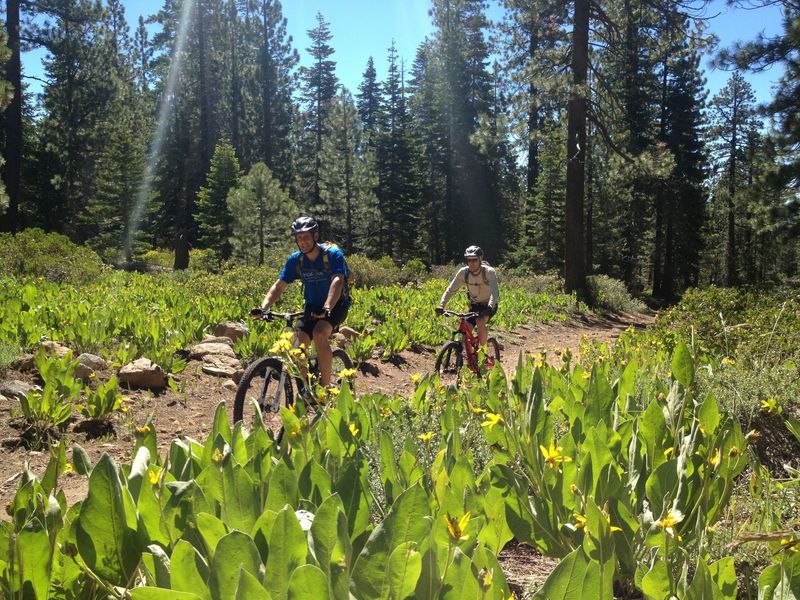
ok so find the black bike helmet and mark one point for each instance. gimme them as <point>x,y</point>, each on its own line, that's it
<point>473,252</point>
<point>302,224</point>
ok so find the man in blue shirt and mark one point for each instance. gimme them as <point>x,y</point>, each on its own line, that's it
<point>323,273</point>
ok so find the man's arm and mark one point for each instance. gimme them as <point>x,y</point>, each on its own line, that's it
<point>457,282</point>
<point>335,291</point>
<point>273,294</point>
<point>491,275</point>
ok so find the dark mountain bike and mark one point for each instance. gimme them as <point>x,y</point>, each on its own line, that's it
<point>464,342</point>
<point>267,382</point>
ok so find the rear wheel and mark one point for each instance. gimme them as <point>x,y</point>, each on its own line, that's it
<point>267,383</point>
<point>449,361</point>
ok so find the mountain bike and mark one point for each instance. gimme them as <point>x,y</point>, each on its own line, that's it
<point>464,342</point>
<point>267,381</point>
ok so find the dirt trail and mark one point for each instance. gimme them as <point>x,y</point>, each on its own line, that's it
<point>190,413</point>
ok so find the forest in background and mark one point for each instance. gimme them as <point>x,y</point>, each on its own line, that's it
<point>570,137</point>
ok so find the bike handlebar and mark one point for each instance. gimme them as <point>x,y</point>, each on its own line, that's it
<point>268,315</point>
<point>466,315</point>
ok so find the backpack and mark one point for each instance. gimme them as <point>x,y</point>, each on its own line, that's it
<point>326,261</point>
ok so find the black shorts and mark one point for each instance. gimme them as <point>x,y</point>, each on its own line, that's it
<point>307,322</point>
<point>483,310</point>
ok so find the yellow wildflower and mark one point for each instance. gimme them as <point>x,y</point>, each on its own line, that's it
<point>332,390</point>
<point>353,429</point>
<point>347,374</point>
<point>476,410</point>
<point>492,419</point>
<point>714,459</point>
<point>586,374</point>
<point>553,456</point>
<point>674,516</point>
<point>772,405</point>
<point>580,521</point>
<point>68,469</point>
<point>386,411</point>
<point>485,578</point>
<point>789,544</point>
<point>456,528</point>
<point>734,451</point>
<point>282,345</point>
<point>154,474</point>
<point>415,378</point>
<point>217,456</point>
<point>728,361</point>
<point>143,430</point>
<point>574,488</point>
<point>661,397</point>
<point>426,437</point>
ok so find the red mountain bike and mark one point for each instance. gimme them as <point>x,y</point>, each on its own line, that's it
<point>450,358</point>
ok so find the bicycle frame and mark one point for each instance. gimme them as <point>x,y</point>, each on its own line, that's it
<point>469,340</point>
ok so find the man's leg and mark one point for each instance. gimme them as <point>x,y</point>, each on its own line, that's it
<point>322,334</point>
<point>483,333</point>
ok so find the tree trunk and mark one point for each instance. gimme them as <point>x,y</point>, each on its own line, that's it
<point>730,245</point>
<point>266,95</point>
<point>13,121</point>
<point>574,248</point>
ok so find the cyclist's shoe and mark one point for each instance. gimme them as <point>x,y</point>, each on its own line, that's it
<point>489,362</point>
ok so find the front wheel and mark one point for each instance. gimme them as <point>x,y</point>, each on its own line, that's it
<point>449,361</point>
<point>268,384</point>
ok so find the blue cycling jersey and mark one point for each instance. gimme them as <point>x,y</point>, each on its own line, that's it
<point>316,278</point>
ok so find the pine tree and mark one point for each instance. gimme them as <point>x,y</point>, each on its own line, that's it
<point>273,82</point>
<point>78,101</point>
<point>429,158</point>
<point>464,91</point>
<point>11,103</point>
<point>733,116</point>
<point>347,177</point>
<point>318,91</point>
<point>212,216</point>
<point>260,209</point>
<point>397,196</point>
<point>368,98</point>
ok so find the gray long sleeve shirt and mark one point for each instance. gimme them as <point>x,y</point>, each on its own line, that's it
<point>482,288</point>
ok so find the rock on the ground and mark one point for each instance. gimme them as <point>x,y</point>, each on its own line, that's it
<point>214,339</point>
<point>59,350</point>
<point>232,330</point>
<point>199,351</point>
<point>16,389</point>
<point>143,373</point>
<point>220,366</point>
<point>26,362</point>
<point>88,364</point>
<point>229,384</point>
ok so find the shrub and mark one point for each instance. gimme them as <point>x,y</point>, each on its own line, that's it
<point>414,270</point>
<point>369,273</point>
<point>611,295</point>
<point>50,255</point>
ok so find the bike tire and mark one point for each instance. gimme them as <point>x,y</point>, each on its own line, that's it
<point>449,361</point>
<point>262,382</point>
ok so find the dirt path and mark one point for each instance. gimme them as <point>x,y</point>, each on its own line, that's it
<point>190,413</point>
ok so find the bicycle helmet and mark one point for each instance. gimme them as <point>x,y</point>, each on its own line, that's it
<point>302,224</point>
<point>473,252</point>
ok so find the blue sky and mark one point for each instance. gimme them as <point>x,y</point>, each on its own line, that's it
<point>364,28</point>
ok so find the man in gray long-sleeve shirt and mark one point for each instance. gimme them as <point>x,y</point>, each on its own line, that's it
<point>481,281</point>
